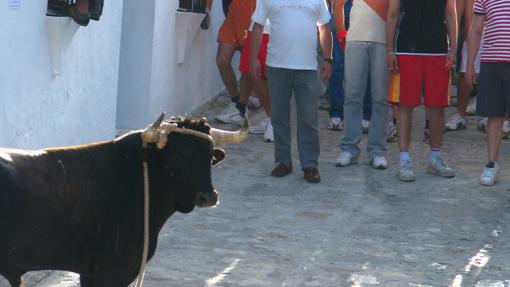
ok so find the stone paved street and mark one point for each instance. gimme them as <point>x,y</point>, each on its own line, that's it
<point>358,227</point>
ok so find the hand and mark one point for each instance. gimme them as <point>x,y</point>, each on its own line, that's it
<point>451,58</point>
<point>325,71</point>
<point>255,72</point>
<point>206,22</point>
<point>342,38</point>
<point>392,62</point>
<point>470,77</point>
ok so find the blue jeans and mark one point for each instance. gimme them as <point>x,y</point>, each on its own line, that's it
<point>304,85</point>
<point>336,83</point>
<point>364,61</point>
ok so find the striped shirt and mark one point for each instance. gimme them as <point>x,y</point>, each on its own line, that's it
<point>496,46</point>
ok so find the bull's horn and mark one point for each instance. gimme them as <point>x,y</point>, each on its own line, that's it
<point>157,123</point>
<point>231,137</point>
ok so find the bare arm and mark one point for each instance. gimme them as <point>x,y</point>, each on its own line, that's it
<point>451,26</point>
<point>475,36</point>
<point>326,45</point>
<point>256,39</point>
<point>391,27</point>
<point>460,5</point>
<point>339,15</point>
<point>325,40</point>
<point>468,17</point>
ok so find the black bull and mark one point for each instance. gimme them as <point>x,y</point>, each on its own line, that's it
<point>80,209</point>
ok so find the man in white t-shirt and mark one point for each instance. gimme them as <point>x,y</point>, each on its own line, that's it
<point>292,69</point>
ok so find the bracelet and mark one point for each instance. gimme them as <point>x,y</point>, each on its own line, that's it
<point>391,53</point>
<point>329,60</point>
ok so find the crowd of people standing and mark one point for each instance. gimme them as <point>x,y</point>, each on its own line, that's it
<point>382,59</point>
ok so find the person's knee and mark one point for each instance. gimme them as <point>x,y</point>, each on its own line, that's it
<point>224,56</point>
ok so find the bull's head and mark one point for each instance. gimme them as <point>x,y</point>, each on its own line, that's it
<point>188,149</point>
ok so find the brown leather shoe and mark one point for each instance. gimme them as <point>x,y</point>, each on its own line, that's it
<point>312,175</point>
<point>281,170</point>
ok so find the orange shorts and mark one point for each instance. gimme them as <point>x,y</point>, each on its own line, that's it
<point>234,29</point>
<point>415,72</point>
<point>244,63</point>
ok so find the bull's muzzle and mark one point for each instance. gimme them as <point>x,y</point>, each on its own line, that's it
<point>206,199</point>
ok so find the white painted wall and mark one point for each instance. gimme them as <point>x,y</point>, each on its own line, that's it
<point>38,109</point>
<point>153,81</point>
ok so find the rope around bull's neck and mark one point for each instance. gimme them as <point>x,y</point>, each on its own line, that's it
<point>141,273</point>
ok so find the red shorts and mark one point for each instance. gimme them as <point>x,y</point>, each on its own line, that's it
<point>244,65</point>
<point>415,72</point>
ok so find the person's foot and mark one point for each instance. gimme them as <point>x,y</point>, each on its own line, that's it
<point>254,103</point>
<point>235,119</point>
<point>269,134</point>
<point>365,124</point>
<point>312,175</point>
<point>455,123</point>
<point>378,162</point>
<point>335,124</point>
<point>489,174</point>
<point>482,124</point>
<point>506,129</point>
<point>406,172</point>
<point>471,108</point>
<point>261,127</point>
<point>229,115</point>
<point>281,170</point>
<point>345,159</point>
<point>438,166</point>
<point>391,132</point>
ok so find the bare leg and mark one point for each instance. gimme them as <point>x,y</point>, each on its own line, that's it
<point>463,95</point>
<point>494,132</point>
<point>262,90</point>
<point>436,122</point>
<point>246,87</point>
<point>224,62</point>
<point>405,119</point>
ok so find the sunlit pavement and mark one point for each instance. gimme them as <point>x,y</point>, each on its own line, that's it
<point>358,227</point>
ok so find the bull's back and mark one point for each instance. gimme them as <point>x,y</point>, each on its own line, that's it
<point>48,212</point>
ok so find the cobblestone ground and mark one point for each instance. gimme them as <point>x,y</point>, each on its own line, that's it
<point>358,227</point>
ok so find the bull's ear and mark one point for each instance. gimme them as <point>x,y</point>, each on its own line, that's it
<point>218,156</point>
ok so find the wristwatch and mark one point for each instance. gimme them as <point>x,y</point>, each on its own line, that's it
<point>329,60</point>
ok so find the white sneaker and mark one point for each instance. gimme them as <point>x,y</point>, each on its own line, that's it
<point>365,125</point>
<point>335,124</point>
<point>438,166</point>
<point>228,111</point>
<point>506,129</point>
<point>345,159</point>
<point>482,124</point>
<point>254,103</point>
<point>455,123</point>
<point>235,119</point>
<point>378,162</point>
<point>261,127</point>
<point>269,134</point>
<point>488,176</point>
<point>391,132</point>
<point>471,108</point>
<point>406,172</point>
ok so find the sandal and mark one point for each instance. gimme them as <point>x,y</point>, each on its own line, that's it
<point>312,175</point>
